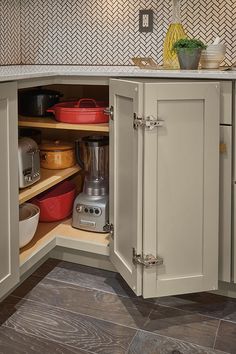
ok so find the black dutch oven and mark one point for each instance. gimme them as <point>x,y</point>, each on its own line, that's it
<point>36,102</point>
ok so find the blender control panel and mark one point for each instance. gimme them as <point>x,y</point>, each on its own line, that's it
<point>89,210</point>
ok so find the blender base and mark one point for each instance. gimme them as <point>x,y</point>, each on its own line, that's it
<point>90,213</point>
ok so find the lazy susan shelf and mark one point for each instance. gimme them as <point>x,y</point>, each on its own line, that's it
<point>50,235</point>
<point>50,123</point>
<point>49,178</point>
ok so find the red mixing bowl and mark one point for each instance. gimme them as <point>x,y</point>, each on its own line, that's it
<point>57,203</point>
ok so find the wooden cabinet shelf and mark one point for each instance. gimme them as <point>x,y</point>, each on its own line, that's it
<point>50,235</point>
<point>50,123</point>
<point>49,178</point>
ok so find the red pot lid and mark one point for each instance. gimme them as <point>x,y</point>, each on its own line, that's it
<point>84,104</point>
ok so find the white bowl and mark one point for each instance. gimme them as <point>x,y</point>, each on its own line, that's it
<point>217,55</point>
<point>29,219</point>
<point>210,64</point>
<point>211,59</point>
<point>221,48</point>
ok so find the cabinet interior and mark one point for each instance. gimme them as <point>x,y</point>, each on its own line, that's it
<point>49,235</point>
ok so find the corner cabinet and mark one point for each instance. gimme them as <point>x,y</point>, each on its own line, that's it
<point>164,188</point>
<point>164,185</point>
<point>9,241</point>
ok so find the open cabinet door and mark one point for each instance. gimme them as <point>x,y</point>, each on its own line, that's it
<point>126,180</point>
<point>9,218</point>
<point>181,187</point>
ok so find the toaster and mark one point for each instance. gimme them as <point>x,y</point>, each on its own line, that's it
<point>28,162</point>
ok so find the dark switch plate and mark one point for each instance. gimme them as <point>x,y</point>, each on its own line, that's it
<point>146,21</point>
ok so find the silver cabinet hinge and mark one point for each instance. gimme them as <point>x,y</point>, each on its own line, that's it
<point>109,228</point>
<point>150,122</point>
<point>109,112</point>
<point>147,261</point>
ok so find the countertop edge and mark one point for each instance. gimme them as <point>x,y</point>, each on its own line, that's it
<point>27,72</point>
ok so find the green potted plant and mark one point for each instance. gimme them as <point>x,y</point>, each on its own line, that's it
<point>189,52</point>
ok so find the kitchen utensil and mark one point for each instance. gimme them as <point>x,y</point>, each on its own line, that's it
<point>90,210</point>
<point>216,41</point>
<point>174,33</point>
<point>84,111</point>
<point>28,162</point>
<point>28,222</point>
<point>36,102</point>
<point>219,48</point>
<point>57,203</point>
<point>57,155</point>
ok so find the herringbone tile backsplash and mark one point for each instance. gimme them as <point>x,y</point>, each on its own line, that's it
<point>103,31</point>
<point>10,32</point>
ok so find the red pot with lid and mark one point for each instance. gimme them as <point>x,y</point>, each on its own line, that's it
<point>84,111</point>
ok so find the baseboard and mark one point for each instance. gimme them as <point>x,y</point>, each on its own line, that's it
<point>80,257</point>
<point>226,289</point>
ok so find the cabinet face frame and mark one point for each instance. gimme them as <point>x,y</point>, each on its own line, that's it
<point>226,102</point>
<point>234,189</point>
<point>9,215</point>
<point>225,224</point>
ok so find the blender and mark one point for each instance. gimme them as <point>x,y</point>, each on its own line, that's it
<point>90,211</point>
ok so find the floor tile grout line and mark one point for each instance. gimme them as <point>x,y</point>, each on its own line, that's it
<point>115,323</point>
<point>86,287</point>
<point>76,313</point>
<point>192,312</point>
<point>148,318</point>
<point>216,334</point>
<point>136,298</point>
<point>49,339</point>
<point>131,342</point>
<point>178,340</point>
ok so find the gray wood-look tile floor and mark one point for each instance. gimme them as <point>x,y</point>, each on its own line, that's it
<point>67,308</point>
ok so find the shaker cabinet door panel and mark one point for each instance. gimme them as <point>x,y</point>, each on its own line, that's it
<point>181,187</point>
<point>126,180</point>
<point>9,241</point>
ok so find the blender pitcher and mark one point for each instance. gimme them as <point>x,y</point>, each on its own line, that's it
<point>92,155</point>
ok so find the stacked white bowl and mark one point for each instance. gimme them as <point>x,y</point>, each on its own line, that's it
<point>213,56</point>
<point>29,219</point>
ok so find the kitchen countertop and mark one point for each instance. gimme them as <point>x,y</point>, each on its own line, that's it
<point>22,72</point>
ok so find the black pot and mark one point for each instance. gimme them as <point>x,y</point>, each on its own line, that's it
<point>36,102</point>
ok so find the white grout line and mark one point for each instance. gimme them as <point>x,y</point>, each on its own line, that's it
<point>87,287</point>
<point>74,312</point>
<point>216,334</point>
<point>134,297</point>
<point>115,323</point>
<point>131,342</point>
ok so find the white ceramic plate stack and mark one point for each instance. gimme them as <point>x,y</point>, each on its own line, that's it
<point>213,56</point>
<point>29,219</point>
